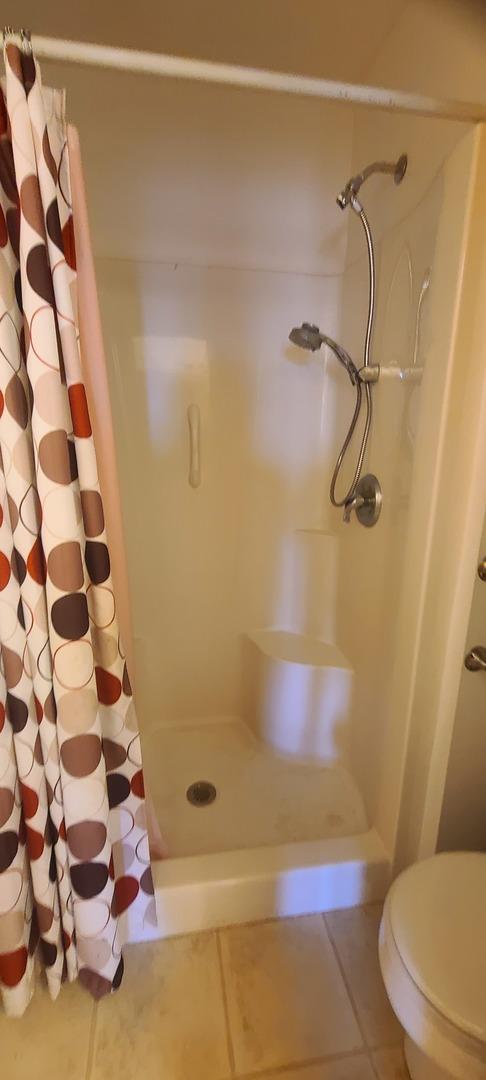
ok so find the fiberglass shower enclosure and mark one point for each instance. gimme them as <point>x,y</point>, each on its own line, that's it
<point>279,649</point>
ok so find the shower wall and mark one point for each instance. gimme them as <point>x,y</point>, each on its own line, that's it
<point>407,222</point>
<point>209,563</point>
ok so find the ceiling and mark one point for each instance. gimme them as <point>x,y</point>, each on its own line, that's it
<point>325,38</point>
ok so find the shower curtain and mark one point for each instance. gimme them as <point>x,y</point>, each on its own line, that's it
<point>75,873</point>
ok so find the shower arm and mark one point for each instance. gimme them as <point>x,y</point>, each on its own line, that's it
<point>396,168</point>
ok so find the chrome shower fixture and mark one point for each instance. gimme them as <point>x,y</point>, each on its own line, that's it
<point>364,493</point>
<point>350,192</point>
<point>309,337</point>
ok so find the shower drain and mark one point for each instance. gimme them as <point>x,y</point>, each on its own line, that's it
<point>201,793</point>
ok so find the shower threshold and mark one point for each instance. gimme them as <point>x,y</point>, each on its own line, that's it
<point>280,838</point>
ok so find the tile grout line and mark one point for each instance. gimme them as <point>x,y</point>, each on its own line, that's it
<point>346,982</point>
<point>229,1040</point>
<point>91,1041</point>
<point>308,1063</point>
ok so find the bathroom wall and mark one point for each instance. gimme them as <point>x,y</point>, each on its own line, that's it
<point>333,41</point>
<point>434,47</point>
<point>185,172</point>
<point>405,221</point>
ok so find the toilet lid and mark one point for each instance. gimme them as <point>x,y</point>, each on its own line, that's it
<point>437,912</point>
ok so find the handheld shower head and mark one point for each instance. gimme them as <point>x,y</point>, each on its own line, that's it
<point>308,336</point>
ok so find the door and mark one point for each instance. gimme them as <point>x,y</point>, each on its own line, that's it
<point>463,818</point>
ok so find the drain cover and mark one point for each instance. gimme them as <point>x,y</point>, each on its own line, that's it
<point>201,793</point>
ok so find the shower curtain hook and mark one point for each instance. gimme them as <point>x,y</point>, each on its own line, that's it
<point>25,38</point>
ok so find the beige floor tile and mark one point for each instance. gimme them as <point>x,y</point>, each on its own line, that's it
<point>390,1064</point>
<point>355,935</point>
<point>287,1002</point>
<point>354,1068</point>
<point>51,1039</point>
<point>167,1022</point>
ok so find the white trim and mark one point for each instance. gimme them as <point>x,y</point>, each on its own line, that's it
<point>147,63</point>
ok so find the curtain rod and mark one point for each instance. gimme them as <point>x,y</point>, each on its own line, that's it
<point>149,63</point>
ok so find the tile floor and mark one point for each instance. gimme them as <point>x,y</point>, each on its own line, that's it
<point>295,999</point>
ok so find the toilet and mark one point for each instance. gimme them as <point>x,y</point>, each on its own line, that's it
<point>433,961</point>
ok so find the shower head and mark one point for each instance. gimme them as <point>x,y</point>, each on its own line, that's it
<point>397,170</point>
<point>308,336</point>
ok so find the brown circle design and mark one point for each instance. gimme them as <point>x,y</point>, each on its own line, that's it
<point>114,754</point>
<point>81,755</point>
<point>118,789</point>
<point>39,274</point>
<point>36,563</point>
<point>9,843</point>
<point>31,204</point>
<point>13,667</point>
<point>54,225</point>
<point>97,561</point>
<point>146,882</point>
<point>137,786</point>
<point>35,843</point>
<point>13,966</point>
<point>79,411</point>
<point>86,839</point>
<point>45,917</point>
<point>127,689</point>
<point>108,686</point>
<point>13,226</point>
<point>54,457</point>
<point>7,803</point>
<point>92,510</point>
<point>125,891</point>
<point>17,712</point>
<point>70,617</point>
<point>65,566</point>
<point>49,952</point>
<point>89,879</point>
<point>30,801</point>
<point>12,512</point>
<point>50,710</point>
<point>16,402</point>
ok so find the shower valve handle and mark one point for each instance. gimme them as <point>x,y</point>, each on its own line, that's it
<point>475,659</point>
<point>355,503</point>
<point>366,501</point>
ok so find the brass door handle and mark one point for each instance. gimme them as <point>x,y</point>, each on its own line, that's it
<point>475,659</point>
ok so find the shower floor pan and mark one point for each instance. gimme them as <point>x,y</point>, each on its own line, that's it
<point>279,839</point>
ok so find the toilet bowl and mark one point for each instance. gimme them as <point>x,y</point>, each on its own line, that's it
<point>433,961</point>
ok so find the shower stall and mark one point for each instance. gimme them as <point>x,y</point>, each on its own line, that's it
<point>296,674</point>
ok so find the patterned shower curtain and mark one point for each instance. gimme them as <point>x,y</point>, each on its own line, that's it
<point>74,859</point>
